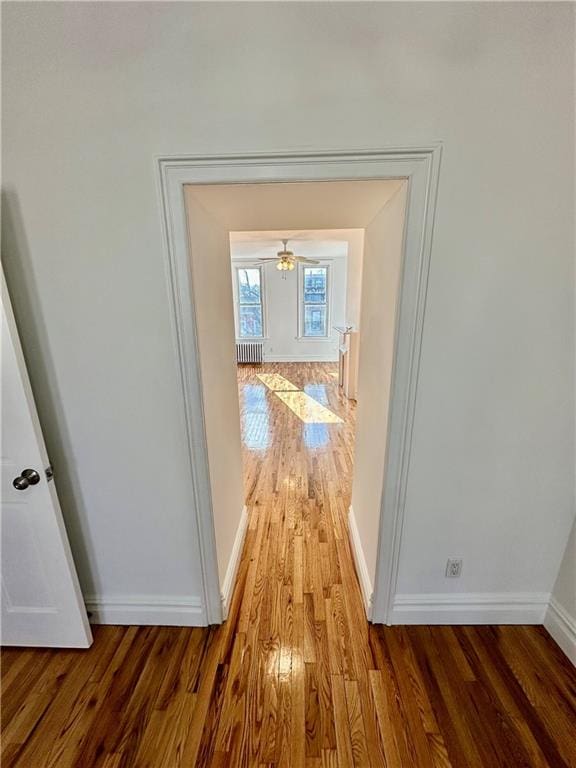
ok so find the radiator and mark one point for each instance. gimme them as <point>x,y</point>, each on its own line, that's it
<point>249,351</point>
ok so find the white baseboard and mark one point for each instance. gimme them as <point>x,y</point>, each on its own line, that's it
<point>233,563</point>
<point>562,628</point>
<point>470,608</point>
<point>272,358</point>
<point>360,561</point>
<point>164,610</point>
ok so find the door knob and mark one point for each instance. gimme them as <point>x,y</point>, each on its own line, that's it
<point>26,478</point>
<point>20,483</point>
<point>31,475</point>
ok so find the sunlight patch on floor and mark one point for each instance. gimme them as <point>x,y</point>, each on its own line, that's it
<point>316,435</point>
<point>307,409</point>
<point>256,418</point>
<point>318,392</point>
<point>277,383</point>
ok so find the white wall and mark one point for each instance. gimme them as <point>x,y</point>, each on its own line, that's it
<point>382,269</point>
<point>210,258</point>
<point>561,615</point>
<point>282,341</point>
<point>93,92</point>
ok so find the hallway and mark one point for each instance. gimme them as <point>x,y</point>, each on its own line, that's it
<point>301,620</point>
<point>296,676</point>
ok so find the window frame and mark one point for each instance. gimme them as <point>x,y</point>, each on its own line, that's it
<point>241,265</point>
<point>303,304</point>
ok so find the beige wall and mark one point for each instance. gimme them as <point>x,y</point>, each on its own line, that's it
<point>213,304</point>
<point>213,211</point>
<point>382,264</point>
<point>354,277</point>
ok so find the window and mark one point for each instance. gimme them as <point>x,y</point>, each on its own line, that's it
<point>315,301</point>
<point>250,314</point>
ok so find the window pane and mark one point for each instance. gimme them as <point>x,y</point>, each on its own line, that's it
<point>315,285</point>
<point>249,286</point>
<point>314,320</point>
<point>250,320</point>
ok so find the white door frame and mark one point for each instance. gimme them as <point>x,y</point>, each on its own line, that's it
<point>421,167</point>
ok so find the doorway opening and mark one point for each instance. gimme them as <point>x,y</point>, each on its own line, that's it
<point>298,415</point>
<point>388,198</point>
<point>310,323</point>
<point>296,317</point>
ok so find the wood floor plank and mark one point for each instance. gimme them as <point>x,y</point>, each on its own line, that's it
<point>68,679</point>
<point>499,689</point>
<point>21,680</point>
<point>421,721</point>
<point>67,743</point>
<point>356,725</point>
<point>168,699</point>
<point>341,724</point>
<point>385,715</point>
<point>462,748</point>
<point>296,677</point>
<point>298,692</point>
<point>107,725</point>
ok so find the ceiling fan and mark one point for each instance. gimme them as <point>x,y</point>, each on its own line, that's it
<point>286,261</point>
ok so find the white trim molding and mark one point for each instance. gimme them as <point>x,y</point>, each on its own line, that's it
<point>562,627</point>
<point>163,610</point>
<point>470,608</point>
<point>420,167</point>
<point>233,564</point>
<point>360,562</point>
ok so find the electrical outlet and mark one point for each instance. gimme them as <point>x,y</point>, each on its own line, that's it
<point>454,567</point>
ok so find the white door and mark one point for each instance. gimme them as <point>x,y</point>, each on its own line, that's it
<point>41,600</point>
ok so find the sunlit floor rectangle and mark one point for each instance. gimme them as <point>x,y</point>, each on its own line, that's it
<point>277,383</point>
<point>307,409</point>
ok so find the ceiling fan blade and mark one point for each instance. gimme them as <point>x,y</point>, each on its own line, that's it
<point>304,260</point>
<point>268,258</point>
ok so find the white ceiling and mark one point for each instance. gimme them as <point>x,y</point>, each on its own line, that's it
<point>298,205</point>
<point>313,243</point>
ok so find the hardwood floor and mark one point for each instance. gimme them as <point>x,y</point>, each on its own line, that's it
<point>296,676</point>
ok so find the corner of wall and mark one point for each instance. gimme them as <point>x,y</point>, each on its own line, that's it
<point>361,565</point>
<point>229,581</point>
<point>562,628</point>
<point>560,620</point>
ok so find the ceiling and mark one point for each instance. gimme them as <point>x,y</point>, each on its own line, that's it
<point>296,205</point>
<point>320,243</point>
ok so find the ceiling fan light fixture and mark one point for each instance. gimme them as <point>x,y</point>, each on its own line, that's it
<point>286,259</point>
